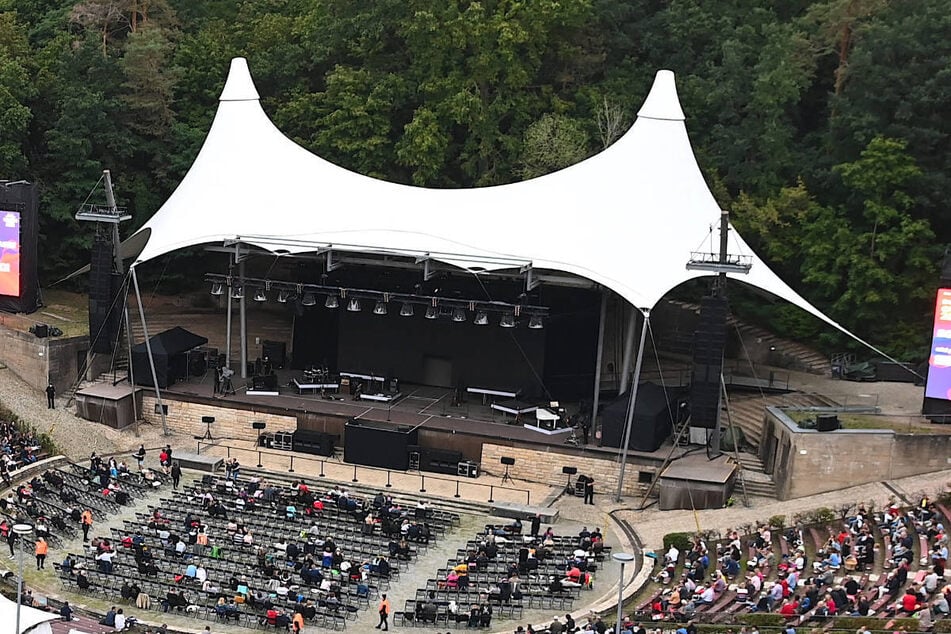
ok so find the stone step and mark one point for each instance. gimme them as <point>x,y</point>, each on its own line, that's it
<point>762,489</point>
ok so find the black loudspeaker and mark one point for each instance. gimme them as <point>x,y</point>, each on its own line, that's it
<point>276,353</point>
<point>207,419</point>
<point>258,425</point>
<point>264,383</point>
<point>105,307</point>
<point>40,330</point>
<point>314,442</point>
<point>437,460</point>
<point>827,422</point>
<point>507,461</point>
<point>569,470</point>
<point>709,341</point>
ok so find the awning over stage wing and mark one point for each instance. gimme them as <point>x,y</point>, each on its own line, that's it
<point>627,218</point>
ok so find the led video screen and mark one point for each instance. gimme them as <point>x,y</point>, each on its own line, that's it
<point>9,253</point>
<point>939,361</point>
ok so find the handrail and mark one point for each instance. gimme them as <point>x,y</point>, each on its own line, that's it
<point>422,477</point>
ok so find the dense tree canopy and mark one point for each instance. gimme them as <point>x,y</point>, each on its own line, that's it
<point>821,124</point>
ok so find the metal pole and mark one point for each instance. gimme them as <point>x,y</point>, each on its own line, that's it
<point>148,349</point>
<point>243,316</point>
<point>491,493</point>
<point>228,319</point>
<point>422,483</point>
<point>21,531</point>
<point>633,402</point>
<point>628,351</point>
<point>597,363</point>
<point>620,600</point>
<point>388,485</point>
<point>354,474</point>
<point>457,490</point>
<point>291,469</point>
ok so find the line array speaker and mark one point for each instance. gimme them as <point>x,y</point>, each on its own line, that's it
<point>105,311</point>
<point>709,342</point>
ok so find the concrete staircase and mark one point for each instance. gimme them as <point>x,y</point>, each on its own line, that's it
<point>747,411</point>
<point>758,483</point>
<point>795,355</point>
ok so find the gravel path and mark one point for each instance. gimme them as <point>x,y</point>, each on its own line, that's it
<point>74,437</point>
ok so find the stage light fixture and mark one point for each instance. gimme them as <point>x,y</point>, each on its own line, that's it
<point>458,314</point>
<point>308,300</point>
<point>536,323</point>
<point>379,308</point>
<point>481,318</point>
<point>217,289</point>
<point>332,302</point>
<point>237,291</point>
<point>508,320</point>
<point>353,305</point>
<point>260,295</point>
<point>431,312</point>
<point>282,297</point>
<point>406,310</point>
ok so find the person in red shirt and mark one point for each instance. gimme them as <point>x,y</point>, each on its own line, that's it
<point>909,602</point>
<point>790,607</point>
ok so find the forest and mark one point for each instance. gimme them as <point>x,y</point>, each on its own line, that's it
<point>821,125</point>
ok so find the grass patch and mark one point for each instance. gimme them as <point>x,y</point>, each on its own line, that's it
<point>898,424</point>
<point>66,310</point>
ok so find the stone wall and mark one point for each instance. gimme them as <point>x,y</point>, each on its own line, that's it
<point>185,418</point>
<point>26,356</point>
<point>544,465</point>
<point>806,462</point>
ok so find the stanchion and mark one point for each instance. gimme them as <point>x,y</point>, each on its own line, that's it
<point>259,460</point>
<point>354,474</point>
<point>388,485</point>
<point>457,490</point>
<point>422,483</point>
<point>291,469</point>
<point>321,474</point>
<point>491,493</point>
<point>229,451</point>
<point>528,498</point>
<point>199,448</point>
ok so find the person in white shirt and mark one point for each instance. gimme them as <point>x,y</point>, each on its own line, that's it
<point>201,574</point>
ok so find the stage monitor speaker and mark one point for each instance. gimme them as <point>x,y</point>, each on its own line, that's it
<point>507,461</point>
<point>207,419</point>
<point>569,470</point>
<point>258,425</point>
<point>827,422</point>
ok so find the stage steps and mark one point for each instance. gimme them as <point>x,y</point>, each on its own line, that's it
<point>758,482</point>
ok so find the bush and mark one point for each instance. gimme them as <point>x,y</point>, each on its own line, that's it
<point>942,626</point>
<point>761,619</point>
<point>680,540</point>
<point>823,515</point>
<point>778,522</point>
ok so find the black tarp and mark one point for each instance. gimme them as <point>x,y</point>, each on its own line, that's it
<point>169,350</point>
<point>653,419</point>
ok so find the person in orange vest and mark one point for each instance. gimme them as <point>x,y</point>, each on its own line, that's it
<point>297,623</point>
<point>41,549</point>
<point>384,613</point>
<point>86,520</point>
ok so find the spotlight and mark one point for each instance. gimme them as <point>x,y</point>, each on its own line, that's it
<point>481,319</point>
<point>508,320</point>
<point>282,297</point>
<point>353,305</point>
<point>217,289</point>
<point>237,292</point>
<point>308,300</point>
<point>458,314</point>
<point>332,302</point>
<point>380,308</point>
<point>260,295</point>
<point>406,310</point>
<point>535,323</point>
<point>431,312</point>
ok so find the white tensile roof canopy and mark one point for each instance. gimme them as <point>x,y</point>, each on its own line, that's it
<point>627,218</point>
<point>32,621</point>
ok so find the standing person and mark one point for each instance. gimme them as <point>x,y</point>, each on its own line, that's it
<point>589,490</point>
<point>86,520</point>
<point>40,551</point>
<point>384,614</point>
<point>585,429</point>
<point>50,396</point>
<point>536,524</point>
<point>140,456</point>
<point>11,540</point>
<point>176,474</point>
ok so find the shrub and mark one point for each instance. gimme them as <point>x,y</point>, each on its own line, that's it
<point>760,619</point>
<point>778,521</point>
<point>680,540</point>
<point>823,515</point>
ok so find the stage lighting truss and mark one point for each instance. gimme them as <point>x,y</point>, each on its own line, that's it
<point>458,310</point>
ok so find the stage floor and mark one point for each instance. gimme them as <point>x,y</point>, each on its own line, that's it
<point>423,406</point>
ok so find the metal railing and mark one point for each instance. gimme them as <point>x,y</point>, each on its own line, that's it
<point>492,488</point>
